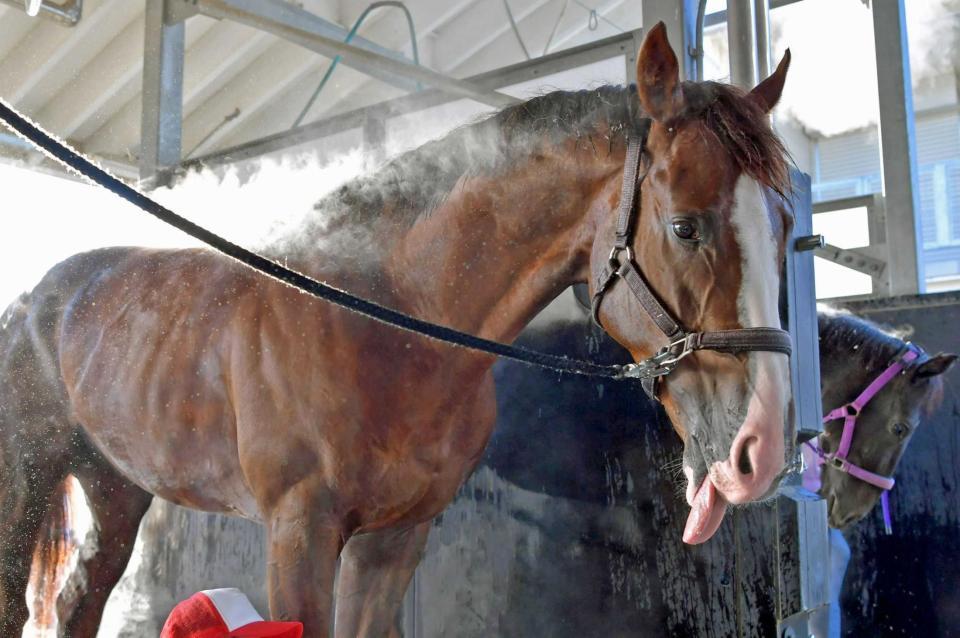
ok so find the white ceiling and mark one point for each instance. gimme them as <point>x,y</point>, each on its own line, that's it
<point>84,82</point>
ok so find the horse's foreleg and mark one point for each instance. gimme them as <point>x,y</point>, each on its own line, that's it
<point>375,570</point>
<point>117,507</point>
<point>303,543</point>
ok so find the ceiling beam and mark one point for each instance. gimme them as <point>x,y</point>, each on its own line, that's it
<point>574,30</point>
<point>497,53</point>
<point>535,28</point>
<point>282,107</point>
<point>570,58</point>
<point>318,35</point>
<point>480,25</point>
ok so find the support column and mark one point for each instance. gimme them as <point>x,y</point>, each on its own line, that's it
<point>800,518</point>
<point>630,56</point>
<point>898,148</point>
<point>374,139</point>
<point>802,314</point>
<point>742,38</point>
<point>162,115</point>
<point>761,15</point>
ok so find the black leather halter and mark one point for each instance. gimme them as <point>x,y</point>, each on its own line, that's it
<point>621,265</point>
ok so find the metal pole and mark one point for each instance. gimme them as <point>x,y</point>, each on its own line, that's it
<point>630,57</point>
<point>68,14</point>
<point>374,138</point>
<point>162,115</point>
<point>898,148</point>
<point>802,313</point>
<point>802,587</point>
<point>761,10</point>
<point>741,34</point>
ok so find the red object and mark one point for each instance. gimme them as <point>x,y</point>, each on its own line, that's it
<point>223,613</point>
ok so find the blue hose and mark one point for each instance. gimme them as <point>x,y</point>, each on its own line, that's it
<point>350,36</point>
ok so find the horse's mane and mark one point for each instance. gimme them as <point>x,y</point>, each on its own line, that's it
<point>743,128</point>
<point>416,182</point>
<point>873,346</point>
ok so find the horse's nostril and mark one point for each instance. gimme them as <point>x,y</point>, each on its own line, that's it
<point>743,463</point>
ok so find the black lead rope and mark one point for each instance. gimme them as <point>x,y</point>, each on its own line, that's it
<point>75,161</point>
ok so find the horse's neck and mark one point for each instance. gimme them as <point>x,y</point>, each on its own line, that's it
<point>500,248</point>
<point>843,376</point>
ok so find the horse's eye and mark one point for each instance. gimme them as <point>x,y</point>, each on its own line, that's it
<point>900,429</point>
<point>686,229</point>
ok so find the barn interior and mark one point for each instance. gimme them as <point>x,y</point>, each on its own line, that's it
<point>232,109</point>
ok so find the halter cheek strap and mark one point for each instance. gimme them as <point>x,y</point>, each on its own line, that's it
<point>621,265</point>
<point>849,413</point>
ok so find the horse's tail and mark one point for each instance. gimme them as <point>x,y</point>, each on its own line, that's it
<point>52,557</point>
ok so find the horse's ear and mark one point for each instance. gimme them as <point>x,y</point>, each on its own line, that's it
<point>767,93</point>
<point>935,366</point>
<point>658,76</point>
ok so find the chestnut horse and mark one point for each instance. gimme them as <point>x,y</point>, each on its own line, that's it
<point>181,374</point>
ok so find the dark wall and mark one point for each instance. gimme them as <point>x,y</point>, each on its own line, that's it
<point>572,524</point>
<point>908,584</point>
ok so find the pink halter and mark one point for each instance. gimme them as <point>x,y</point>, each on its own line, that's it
<point>849,413</point>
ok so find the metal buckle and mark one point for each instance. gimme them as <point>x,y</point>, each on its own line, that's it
<point>837,463</point>
<point>668,356</point>
<point>612,259</point>
<point>665,361</point>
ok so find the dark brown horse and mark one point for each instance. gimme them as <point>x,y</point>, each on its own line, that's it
<point>180,374</point>
<point>853,351</point>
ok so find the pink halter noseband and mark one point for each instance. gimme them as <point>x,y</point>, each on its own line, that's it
<point>849,413</point>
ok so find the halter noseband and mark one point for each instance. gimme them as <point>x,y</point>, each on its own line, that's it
<point>681,343</point>
<point>849,412</point>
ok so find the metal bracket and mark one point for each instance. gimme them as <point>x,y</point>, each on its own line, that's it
<point>798,625</point>
<point>68,13</point>
<point>179,10</point>
<point>855,259</point>
<point>809,242</point>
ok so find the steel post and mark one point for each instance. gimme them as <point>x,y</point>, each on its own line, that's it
<point>802,316</point>
<point>630,57</point>
<point>802,545</point>
<point>761,15</point>
<point>741,35</point>
<point>162,114</point>
<point>898,148</point>
<point>374,138</point>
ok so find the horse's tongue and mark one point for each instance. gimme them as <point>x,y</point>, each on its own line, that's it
<point>705,514</point>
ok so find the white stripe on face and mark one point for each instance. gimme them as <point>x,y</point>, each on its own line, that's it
<point>760,285</point>
<point>757,302</point>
